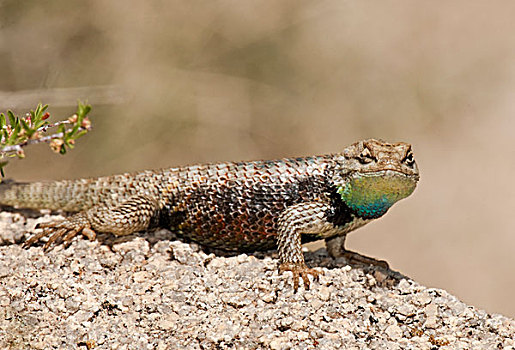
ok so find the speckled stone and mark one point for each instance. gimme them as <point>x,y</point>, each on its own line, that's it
<point>149,292</point>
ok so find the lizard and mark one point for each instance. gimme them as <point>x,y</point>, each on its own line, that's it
<point>235,206</point>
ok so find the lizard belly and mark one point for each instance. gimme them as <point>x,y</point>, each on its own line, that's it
<point>329,230</point>
<point>228,219</point>
<point>240,231</point>
<point>240,209</point>
<point>237,232</point>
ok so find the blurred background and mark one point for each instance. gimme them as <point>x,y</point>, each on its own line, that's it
<point>179,82</point>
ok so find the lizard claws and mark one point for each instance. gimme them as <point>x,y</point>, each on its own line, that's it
<point>59,231</point>
<point>300,271</point>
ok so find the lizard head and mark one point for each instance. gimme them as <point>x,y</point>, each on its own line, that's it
<point>373,175</point>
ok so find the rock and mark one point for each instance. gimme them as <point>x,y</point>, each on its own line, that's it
<point>173,295</point>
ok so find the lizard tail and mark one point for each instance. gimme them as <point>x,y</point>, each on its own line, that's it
<point>67,195</point>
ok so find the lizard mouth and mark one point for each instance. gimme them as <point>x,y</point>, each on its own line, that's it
<point>388,170</point>
<point>370,195</point>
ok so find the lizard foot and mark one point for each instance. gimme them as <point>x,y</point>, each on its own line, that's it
<point>300,271</point>
<point>61,231</point>
<point>353,258</point>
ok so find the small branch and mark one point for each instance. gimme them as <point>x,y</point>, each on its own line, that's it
<point>11,149</point>
<point>47,139</point>
<point>44,128</point>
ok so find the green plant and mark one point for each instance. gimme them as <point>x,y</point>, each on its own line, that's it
<point>18,132</point>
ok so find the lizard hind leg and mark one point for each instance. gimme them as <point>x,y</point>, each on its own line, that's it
<point>336,249</point>
<point>134,214</point>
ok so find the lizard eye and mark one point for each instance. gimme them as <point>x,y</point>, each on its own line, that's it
<point>366,157</point>
<point>408,158</point>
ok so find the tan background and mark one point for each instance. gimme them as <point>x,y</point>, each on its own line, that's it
<point>176,82</point>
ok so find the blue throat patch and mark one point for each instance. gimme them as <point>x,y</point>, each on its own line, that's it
<point>370,196</point>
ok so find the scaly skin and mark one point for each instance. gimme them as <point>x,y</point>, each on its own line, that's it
<point>243,206</point>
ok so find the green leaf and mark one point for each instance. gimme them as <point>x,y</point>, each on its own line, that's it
<point>2,120</point>
<point>25,125</point>
<point>74,129</point>
<point>82,111</point>
<point>43,109</point>
<point>40,123</point>
<point>40,111</point>
<point>80,133</point>
<point>12,118</point>
<point>14,135</point>
<point>6,137</point>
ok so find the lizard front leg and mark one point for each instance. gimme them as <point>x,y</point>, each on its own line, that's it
<point>132,215</point>
<point>304,218</point>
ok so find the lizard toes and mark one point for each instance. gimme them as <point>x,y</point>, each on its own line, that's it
<point>357,258</point>
<point>300,271</point>
<point>69,236</point>
<point>61,231</point>
<point>54,237</point>
<point>51,224</point>
<point>34,238</point>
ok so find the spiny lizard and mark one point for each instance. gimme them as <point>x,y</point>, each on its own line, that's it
<point>235,206</point>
